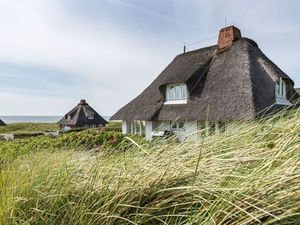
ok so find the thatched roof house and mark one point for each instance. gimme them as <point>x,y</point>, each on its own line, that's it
<point>229,81</point>
<point>2,123</point>
<point>82,115</point>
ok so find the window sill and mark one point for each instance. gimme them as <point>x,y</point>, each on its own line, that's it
<point>174,102</point>
<point>282,101</point>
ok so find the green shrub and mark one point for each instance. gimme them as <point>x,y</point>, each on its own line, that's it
<point>28,127</point>
<point>86,139</point>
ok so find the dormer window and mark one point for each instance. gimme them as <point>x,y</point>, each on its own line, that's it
<point>91,117</point>
<point>176,94</point>
<point>280,92</point>
<point>68,117</point>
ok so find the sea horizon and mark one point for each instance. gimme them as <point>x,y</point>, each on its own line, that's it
<point>34,119</point>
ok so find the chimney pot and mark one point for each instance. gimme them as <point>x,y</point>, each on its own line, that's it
<point>227,35</point>
<point>82,102</point>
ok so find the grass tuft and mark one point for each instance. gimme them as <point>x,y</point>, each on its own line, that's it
<point>247,176</point>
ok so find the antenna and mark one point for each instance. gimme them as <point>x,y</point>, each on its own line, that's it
<point>195,43</point>
<point>225,21</point>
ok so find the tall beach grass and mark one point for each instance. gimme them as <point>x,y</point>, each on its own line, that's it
<point>247,176</point>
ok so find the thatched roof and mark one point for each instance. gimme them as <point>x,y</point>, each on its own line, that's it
<point>235,83</point>
<point>2,123</point>
<point>78,116</point>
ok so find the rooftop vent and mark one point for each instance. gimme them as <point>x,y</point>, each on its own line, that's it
<point>227,35</point>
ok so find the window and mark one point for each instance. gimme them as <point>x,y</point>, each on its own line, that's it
<point>68,117</point>
<point>280,89</point>
<point>207,128</point>
<point>280,92</point>
<point>91,117</point>
<point>136,127</point>
<point>177,126</point>
<point>176,94</point>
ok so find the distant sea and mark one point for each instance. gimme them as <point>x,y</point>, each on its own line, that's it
<point>34,119</point>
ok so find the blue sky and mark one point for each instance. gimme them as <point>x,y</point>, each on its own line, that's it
<point>55,52</point>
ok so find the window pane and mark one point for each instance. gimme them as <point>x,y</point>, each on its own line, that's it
<point>176,92</point>
<point>173,91</point>
<point>182,87</point>
<point>277,89</point>
<point>184,91</point>
<point>283,89</point>
<point>167,94</point>
<point>280,89</point>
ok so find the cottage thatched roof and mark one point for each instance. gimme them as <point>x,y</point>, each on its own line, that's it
<point>236,83</point>
<point>2,123</point>
<point>78,116</point>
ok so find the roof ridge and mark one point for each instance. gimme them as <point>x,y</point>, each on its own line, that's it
<point>249,40</point>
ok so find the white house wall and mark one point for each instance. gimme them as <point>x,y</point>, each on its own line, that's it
<point>189,132</point>
<point>125,127</point>
<point>232,127</point>
<point>148,130</point>
<point>191,129</point>
<point>133,127</point>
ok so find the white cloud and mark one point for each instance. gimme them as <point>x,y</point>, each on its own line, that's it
<point>117,58</point>
<point>42,35</point>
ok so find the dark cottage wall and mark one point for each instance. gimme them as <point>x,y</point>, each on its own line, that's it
<point>79,117</point>
<point>2,123</point>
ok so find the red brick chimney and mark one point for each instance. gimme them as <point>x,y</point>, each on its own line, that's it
<point>227,35</point>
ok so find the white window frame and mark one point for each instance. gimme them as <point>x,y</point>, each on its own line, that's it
<point>137,127</point>
<point>91,117</point>
<point>280,92</point>
<point>177,126</point>
<point>176,93</point>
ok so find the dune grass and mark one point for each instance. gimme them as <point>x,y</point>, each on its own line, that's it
<point>28,127</point>
<point>249,176</point>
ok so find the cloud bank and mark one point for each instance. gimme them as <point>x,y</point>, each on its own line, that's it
<point>54,53</point>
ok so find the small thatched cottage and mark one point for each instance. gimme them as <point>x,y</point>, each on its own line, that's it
<point>2,123</point>
<point>82,116</point>
<point>230,81</point>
